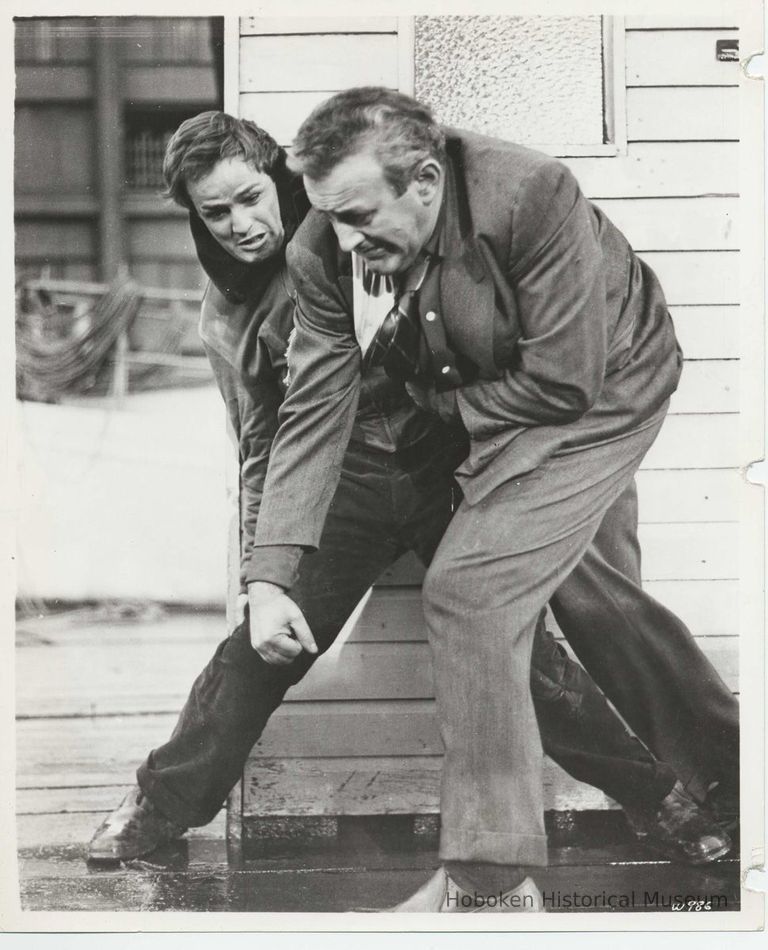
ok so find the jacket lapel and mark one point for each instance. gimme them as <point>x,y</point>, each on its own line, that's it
<point>466,287</point>
<point>345,279</point>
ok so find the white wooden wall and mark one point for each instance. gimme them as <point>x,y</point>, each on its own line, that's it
<point>365,714</point>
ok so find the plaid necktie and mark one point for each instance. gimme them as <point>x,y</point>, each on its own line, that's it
<point>396,343</point>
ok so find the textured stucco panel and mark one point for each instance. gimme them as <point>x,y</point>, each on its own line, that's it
<point>529,79</point>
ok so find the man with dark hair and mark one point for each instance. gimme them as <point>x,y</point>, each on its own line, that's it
<point>244,206</point>
<point>520,314</point>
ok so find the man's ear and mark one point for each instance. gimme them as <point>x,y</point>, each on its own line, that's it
<point>429,177</point>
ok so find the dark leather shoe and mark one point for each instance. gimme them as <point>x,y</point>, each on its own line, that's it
<point>134,828</point>
<point>680,829</point>
<point>441,895</point>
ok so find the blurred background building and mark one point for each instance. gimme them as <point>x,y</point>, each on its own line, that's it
<point>121,428</point>
<point>96,101</point>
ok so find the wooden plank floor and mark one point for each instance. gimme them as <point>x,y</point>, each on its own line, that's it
<point>76,759</point>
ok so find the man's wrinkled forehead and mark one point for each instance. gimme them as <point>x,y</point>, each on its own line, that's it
<point>356,180</point>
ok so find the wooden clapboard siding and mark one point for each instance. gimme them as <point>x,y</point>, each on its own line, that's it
<point>323,61</point>
<point>697,277</point>
<point>286,26</point>
<point>281,113</point>
<point>674,193</point>
<point>379,785</point>
<point>676,224</point>
<point>661,170</point>
<point>403,670</point>
<point>679,550</point>
<point>674,58</point>
<point>698,113</point>
<point>696,441</point>
<point>710,607</point>
<point>709,332</point>
<point>719,21</point>
<point>708,386</point>
<point>394,669</point>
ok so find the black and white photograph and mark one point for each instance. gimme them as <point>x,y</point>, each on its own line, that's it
<point>388,385</point>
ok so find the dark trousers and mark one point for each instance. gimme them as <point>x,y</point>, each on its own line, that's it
<point>385,506</point>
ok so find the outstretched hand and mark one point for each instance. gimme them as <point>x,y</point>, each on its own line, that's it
<point>279,632</point>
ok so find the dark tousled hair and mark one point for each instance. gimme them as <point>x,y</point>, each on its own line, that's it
<point>398,129</point>
<point>203,141</point>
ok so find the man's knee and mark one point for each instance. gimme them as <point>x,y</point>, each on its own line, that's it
<point>442,583</point>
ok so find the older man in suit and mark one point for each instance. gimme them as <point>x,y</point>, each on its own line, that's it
<point>518,309</point>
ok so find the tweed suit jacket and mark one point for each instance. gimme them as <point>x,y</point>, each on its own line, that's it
<point>567,328</point>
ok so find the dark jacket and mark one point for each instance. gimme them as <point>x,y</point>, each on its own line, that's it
<point>248,351</point>
<point>567,328</point>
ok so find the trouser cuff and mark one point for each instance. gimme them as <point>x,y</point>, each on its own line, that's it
<point>493,847</point>
<point>171,806</point>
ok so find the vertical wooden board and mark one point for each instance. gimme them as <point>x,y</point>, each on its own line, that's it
<point>678,58</point>
<point>308,63</point>
<point>703,113</point>
<point>676,224</point>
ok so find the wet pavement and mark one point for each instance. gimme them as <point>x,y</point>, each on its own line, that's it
<point>368,866</point>
<point>98,687</point>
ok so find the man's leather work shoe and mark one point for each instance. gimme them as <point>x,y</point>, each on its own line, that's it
<point>441,895</point>
<point>680,829</point>
<point>133,829</point>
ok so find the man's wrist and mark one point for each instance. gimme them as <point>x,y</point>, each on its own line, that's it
<point>260,591</point>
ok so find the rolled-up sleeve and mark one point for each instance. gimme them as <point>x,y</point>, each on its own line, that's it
<point>316,421</point>
<point>555,270</point>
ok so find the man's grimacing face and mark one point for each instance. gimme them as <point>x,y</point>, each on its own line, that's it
<point>240,208</point>
<point>387,230</point>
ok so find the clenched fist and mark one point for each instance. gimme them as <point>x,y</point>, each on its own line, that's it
<point>279,631</point>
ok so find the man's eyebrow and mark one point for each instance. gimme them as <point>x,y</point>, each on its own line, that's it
<point>246,189</point>
<point>353,210</point>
